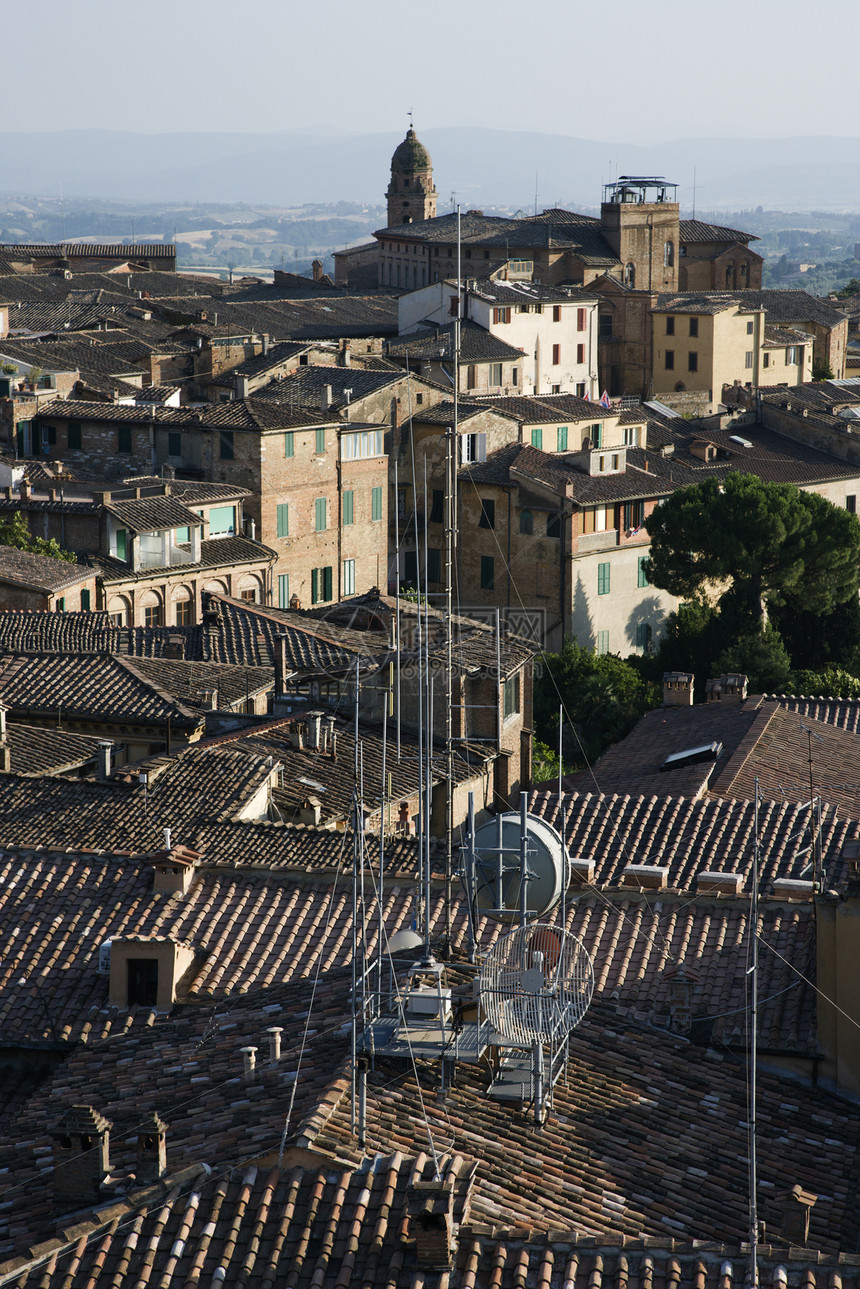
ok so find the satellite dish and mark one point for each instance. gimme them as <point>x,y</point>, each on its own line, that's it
<point>536,984</point>
<point>496,877</point>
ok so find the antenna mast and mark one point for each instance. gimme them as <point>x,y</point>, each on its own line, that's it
<point>451,453</point>
<point>753,1040</point>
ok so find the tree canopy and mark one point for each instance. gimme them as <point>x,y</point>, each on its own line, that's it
<point>757,545</point>
<point>14,532</point>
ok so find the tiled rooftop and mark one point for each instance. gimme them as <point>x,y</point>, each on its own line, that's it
<point>100,687</point>
<point>40,572</point>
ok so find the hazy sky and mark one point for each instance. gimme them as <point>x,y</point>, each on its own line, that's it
<point>637,70</point>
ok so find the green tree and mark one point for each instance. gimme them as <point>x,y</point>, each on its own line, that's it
<point>755,544</point>
<point>14,532</point>
<point>603,698</point>
<point>850,288</point>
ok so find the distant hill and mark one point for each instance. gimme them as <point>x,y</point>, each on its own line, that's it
<point>483,168</point>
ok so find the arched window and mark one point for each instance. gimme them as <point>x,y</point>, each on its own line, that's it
<point>630,275</point>
<point>680,387</point>
<point>527,522</point>
<point>730,275</point>
<point>669,254</point>
<point>745,268</point>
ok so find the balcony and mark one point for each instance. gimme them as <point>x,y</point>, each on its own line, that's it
<point>597,541</point>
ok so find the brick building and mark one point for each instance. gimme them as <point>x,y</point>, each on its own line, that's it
<point>30,581</point>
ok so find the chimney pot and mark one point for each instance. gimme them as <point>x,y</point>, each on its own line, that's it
<point>274,1032</point>
<point>105,746</point>
<point>250,1063</point>
<point>678,688</point>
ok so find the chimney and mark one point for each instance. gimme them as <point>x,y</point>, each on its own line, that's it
<point>81,1157</point>
<point>797,1205</point>
<point>210,699</point>
<point>325,398</point>
<point>281,664</point>
<point>313,722</point>
<point>25,489</point>
<point>317,269</point>
<point>175,647</point>
<point>250,529</point>
<point>250,1063</point>
<point>274,1032</point>
<point>295,602</point>
<point>731,688</point>
<point>678,689</point>
<point>151,1150</point>
<point>241,387</point>
<point>173,868</point>
<point>429,1206</point>
<point>345,354</point>
<point>58,468</point>
<point>264,340</point>
<point>328,733</point>
<point>105,746</point>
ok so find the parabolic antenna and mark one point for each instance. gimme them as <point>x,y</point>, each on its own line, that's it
<point>496,873</point>
<point>536,984</point>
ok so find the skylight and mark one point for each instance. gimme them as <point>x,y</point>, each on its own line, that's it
<point>692,756</point>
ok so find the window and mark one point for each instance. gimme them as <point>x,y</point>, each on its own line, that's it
<point>522,308</point>
<point>511,697</point>
<point>117,619</point>
<point>580,389</point>
<point>790,355</point>
<point>851,505</point>
<point>501,315</point>
<point>320,515</point>
<point>434,564</point>
<point>561,438</point>
<point>283,590</point>
<point>488,513</point>
<point>225,439</point>
<point>320,441</point>
<point>142,980</point>
<point>471,376</point>
<point>604,325</point>
<point>527,522</point>
<point>641,574</point>
<point>556,313</point>
<point>553,525</point>
<point>694,327</point>
<point>556,389</point>
<point>765,360</point>
<point>437,509</point>
<point>357,447</point>
<point>321,584</point>
<point>123,439</point>
<point>184,613</point>
<point>473,448</point>
<point>376,503</point>
<point>174,444</point>
<point>670,326</point>
<point>289,444</point>
<point>556,355</point>
<point>60,604</point>
<point>643,636</point>
<point>692,361</point>
<point>668,254</point>
<point>495,373</point>
<point>348,507</point>
<point>630,275</point>
<point>631,436</point>
<point>603,571</point>
<point>249,595</point>
<point>222,520</point>
<point>121,543</point>
<point>633,515</point>
<point>85,600</point>
<point>580,319</point>
<point>580,353</point>
<point>515,376</point>
<point>488,573</point>
<point>73,435</point>
<point>283,519</point>
<point>670,360</point>
<point>748,359</point>
<point>537,436</point>
<point>152,615</point>
<point>750,327</point>
<point>602,642</point>
<point>349,577</point>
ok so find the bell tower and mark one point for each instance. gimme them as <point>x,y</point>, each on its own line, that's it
<point>411,195</point>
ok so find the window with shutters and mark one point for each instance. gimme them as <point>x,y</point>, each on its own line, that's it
<point>501,315</point>
<point>320,515</point>
<point>283,590</point>
<point>537,436</point>
<point>289,444</point>
<point>556,313</point>
<point>602,642</point>
<point>283,519</point>
<point>495,374</point>
<point>511,697</point>
<point>603,571</point>
<point>527,522</point>
<point>641,573</point>
<point>561,438</point>
<point>85,600</point>
<point>349,577</point>
<point>580,353</point>
<point>376,504</point>
<point>348,507</point>
<point>320,443</point>
<point>556,355</point>
<point>643,636</point>
<point>580,319</point>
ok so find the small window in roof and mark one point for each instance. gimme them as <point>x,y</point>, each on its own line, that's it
<point>692,756</point>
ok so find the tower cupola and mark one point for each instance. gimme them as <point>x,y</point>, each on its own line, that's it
<point>411,195</point>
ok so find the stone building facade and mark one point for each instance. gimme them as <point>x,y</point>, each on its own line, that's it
<point>411,195</point>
